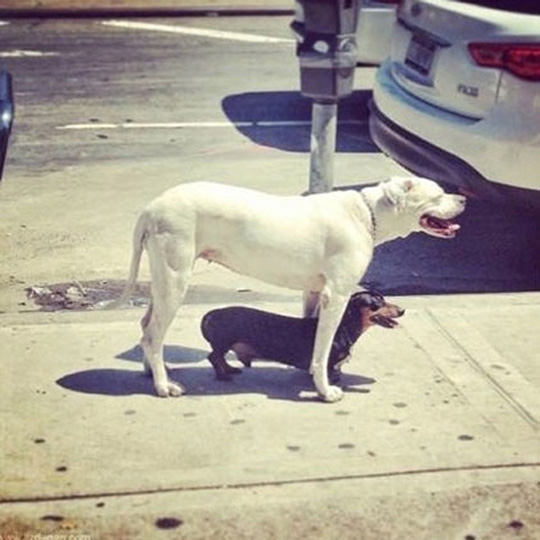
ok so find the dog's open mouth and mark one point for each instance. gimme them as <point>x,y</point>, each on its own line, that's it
<point>382,320</point>
<point>443,228</point>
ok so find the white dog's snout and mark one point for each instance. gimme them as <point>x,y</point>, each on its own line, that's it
<point>458,202</point>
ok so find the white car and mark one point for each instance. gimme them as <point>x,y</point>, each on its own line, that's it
<point>458,99</point>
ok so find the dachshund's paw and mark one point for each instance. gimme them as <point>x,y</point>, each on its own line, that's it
<point>245,361</point>
<point>224,373</point>
<point>233,370</point>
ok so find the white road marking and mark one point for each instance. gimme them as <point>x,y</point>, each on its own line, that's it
<point>203,32</point>
<point>3,23</point>
<point>26,54</point>
<point>197,125</point>
<point>154,125</point>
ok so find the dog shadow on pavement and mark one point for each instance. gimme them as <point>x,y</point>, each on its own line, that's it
<point>272,380</point>
<point>172,354</point>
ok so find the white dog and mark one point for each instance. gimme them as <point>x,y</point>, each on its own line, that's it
<point>321,244</point>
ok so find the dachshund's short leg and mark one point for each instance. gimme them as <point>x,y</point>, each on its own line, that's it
<point>221,367</point>
<point>245,353</point>
<point>334,375</point>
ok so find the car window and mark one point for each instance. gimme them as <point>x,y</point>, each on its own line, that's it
<point>515,6</point>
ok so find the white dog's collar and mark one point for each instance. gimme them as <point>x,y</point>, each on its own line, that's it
<point>371,215</point>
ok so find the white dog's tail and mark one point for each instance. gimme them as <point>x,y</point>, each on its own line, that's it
<point>139,235</point>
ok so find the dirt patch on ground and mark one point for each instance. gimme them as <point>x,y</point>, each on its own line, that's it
<point>85,295</point>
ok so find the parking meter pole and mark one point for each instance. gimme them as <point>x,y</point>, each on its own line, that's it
<point>323,143</point>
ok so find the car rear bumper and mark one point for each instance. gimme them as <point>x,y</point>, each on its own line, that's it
<point>503,146</point>
<point>425,159</point>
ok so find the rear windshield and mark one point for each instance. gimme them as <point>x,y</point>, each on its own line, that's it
<point>515,6</point>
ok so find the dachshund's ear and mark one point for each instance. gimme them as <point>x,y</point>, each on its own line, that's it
<point>360,299</point>
<point>377,301</point>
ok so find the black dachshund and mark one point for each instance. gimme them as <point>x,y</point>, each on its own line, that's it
<point>252,333</point>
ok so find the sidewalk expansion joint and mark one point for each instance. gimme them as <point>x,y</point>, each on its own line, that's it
<point>274,483</point>
<point>490,379</point>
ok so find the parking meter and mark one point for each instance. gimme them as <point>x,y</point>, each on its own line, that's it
<point>325,31</point>
<point>7,109</point>
<point>326,46</point>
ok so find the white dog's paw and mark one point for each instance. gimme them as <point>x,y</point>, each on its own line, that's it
<point>169,389</point>
<point>332,394</point>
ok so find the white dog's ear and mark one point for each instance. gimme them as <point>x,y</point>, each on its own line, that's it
<point>396,189</point>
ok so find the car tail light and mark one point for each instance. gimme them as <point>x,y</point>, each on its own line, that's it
<point>521,59</point>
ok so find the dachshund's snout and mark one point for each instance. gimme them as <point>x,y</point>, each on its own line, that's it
<point>385,315</point>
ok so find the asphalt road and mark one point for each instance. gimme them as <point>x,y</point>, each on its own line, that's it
<point>89,91</point>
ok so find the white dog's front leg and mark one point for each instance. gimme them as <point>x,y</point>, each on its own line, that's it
<point>331,312</point>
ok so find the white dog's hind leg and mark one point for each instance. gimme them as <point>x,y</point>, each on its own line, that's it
<point>145,321</point>
<point>168,290</point>
<point>331,311</point>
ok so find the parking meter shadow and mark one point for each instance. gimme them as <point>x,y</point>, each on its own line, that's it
<point>282,120</point>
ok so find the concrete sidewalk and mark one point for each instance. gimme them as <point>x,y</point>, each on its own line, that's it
<point>437,437</point>
<point>438,430</point>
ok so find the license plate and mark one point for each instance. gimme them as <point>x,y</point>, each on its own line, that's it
<point>420,53</point>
